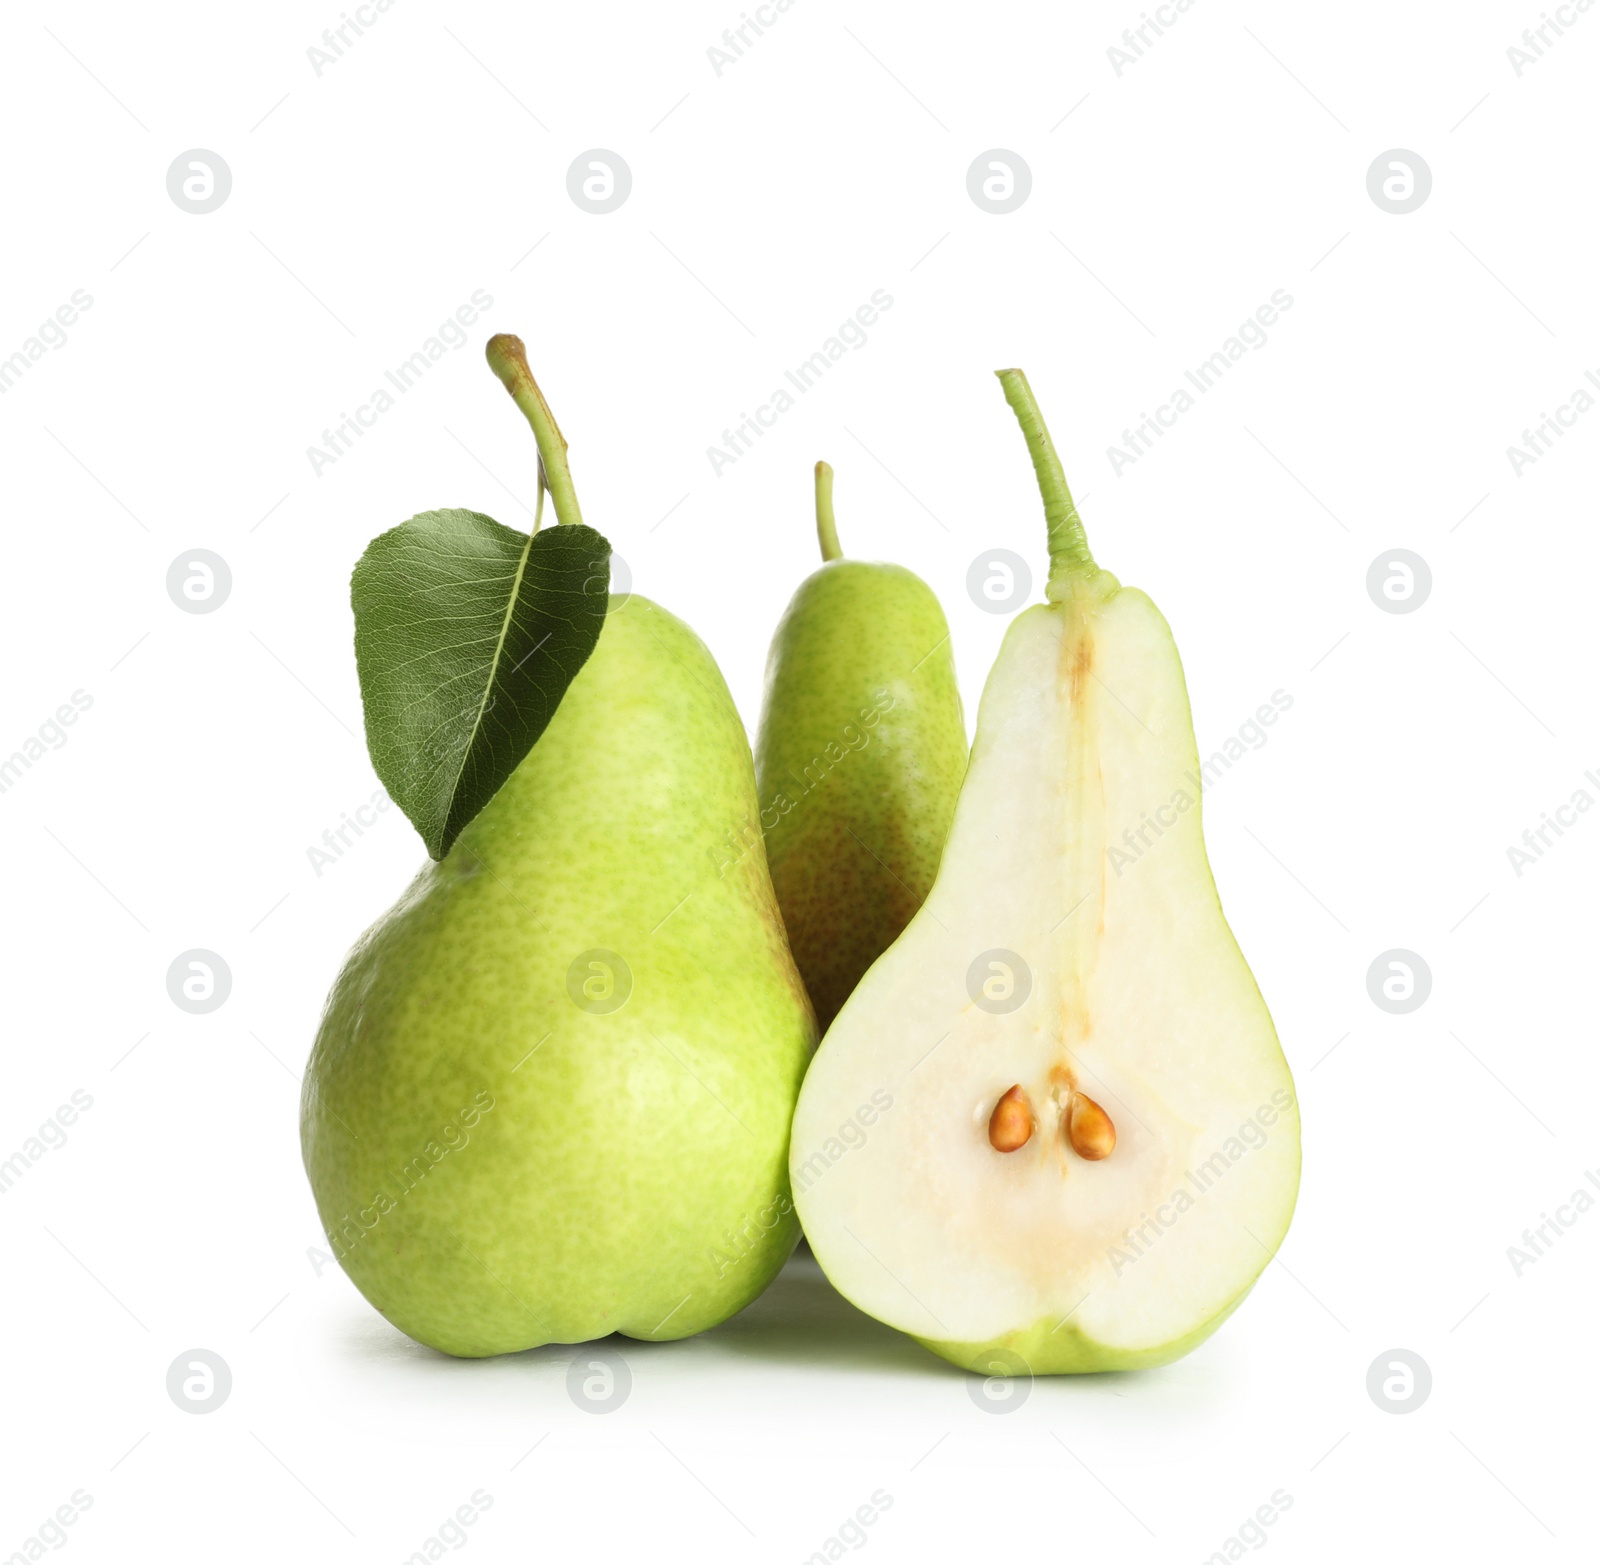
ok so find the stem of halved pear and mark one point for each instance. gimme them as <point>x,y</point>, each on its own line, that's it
<point>827,533</point>
<point>1069,548</point>
<point>509,360</point>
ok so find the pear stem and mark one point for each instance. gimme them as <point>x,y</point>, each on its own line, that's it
<point>509,360</point>
<point>827,533</point>
<point>1069,548</point>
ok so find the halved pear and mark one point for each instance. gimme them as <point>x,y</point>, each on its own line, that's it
<point>1052,1131</point>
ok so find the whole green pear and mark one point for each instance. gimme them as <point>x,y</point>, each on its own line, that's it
<point>859,760</point>
<point>551,1091</point>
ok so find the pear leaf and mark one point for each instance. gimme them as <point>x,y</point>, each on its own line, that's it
<point>467,636</point>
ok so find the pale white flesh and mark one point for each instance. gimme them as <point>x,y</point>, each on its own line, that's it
<point>1139,998</point>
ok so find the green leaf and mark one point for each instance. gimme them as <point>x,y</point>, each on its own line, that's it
<point>467,636</point>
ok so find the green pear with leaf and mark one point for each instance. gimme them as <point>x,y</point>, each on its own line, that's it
<point>1052,1130</point>
<point>551,1091</point>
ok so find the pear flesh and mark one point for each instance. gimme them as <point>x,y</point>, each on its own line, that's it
<point>551,1092</point>
<point>1072,946</point>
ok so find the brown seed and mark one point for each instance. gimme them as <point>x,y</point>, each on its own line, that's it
<point>1089,1129</point>
<point>1011,1124</point>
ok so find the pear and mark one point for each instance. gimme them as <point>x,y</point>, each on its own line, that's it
<point>551,1091</point>
<point>859,758</point>
<point>1052,1131</point>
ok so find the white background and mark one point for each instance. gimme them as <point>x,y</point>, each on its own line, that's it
<point>767,204</point>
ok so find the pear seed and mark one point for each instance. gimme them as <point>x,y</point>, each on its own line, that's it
<point>1011,1124</point>
<point>1089,1129</point>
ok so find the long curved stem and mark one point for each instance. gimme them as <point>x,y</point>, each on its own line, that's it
<point>827,532</point>
<point>509,360</point>
<point>1069,548</point>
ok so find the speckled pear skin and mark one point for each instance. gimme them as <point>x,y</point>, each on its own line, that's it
<point>860,757</point>
<point>497,1167</point>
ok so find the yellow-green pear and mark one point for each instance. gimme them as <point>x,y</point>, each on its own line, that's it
<point>859,759</point>
<point>551,1093</point>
